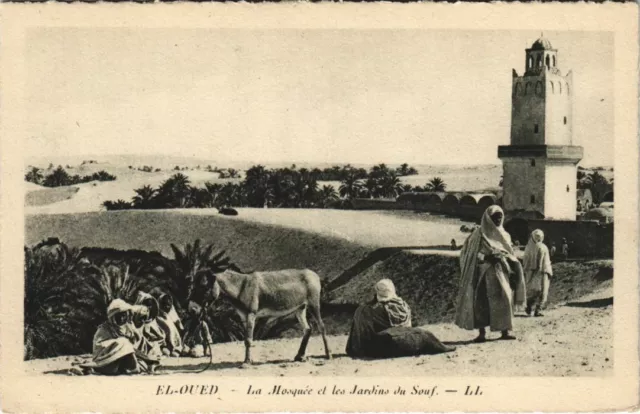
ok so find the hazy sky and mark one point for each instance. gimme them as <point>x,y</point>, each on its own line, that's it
<point>300,95</point>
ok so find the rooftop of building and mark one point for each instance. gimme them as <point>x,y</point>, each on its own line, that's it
<point>542,44</point>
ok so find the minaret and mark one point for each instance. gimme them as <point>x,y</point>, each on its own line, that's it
<point>539,167</point>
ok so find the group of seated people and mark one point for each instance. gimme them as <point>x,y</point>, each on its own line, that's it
<point>136,337</point>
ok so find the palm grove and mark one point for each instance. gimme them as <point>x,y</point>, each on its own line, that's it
<point>289,187</point>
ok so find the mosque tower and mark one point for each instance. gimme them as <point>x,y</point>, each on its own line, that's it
<point>539,166</point>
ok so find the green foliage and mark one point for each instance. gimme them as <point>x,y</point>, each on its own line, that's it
<point>34,175</point>
<point>116,205</point>
<point>289,187</point>
<point>436,184</point>
<point>144,197</point>
<point>48,273</point>
<point>67,291</point>
<point>60,177</point>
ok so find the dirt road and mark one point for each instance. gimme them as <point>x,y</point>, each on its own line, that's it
<point>572,340</point>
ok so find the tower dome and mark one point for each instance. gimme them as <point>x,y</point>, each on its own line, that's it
<point>541,44</point>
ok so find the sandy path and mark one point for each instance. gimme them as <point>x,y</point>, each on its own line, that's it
<point>373,228</point>
<point>573,340</point>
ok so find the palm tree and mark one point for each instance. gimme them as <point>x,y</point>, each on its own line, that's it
<point>230,195</point>
<point>405,170</point>
<point>174,192</point>
<point>327,195</point>
<point>97,286</point>
<point>116,205</point>
<point>199,198</point>
<point>256,183</point>
<point>351,186</point>
<point>598,184</point>
<point>197,266</point>
<point>144,197</point>
<point>214,190</point>
<point>372,185</point>
<point>379,171</point>
<point>103,176</point>
<point>306,188</point>
<point>390,186</point>
<point>34,175</point>
<point>57,178</point>
<point>49,273</point>
<point>194,261</point>
<point>436,185</point>
<point>406,188</point>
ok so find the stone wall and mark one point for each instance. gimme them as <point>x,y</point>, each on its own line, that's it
<point>375,204</point>
<point>586,238</point>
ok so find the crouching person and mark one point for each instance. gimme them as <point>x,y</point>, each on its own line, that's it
<point>150,337</point>
<point>197,340</point>
<point>382,329</point>
<point>114,352</point>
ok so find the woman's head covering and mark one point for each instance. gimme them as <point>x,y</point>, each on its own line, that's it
<point>495,235</point>
<point>488,235</point>
<point>536,254</point>
<point>117,306</point>
<point>385,290</point>
<point>537,236</point>
<point>150,302</point>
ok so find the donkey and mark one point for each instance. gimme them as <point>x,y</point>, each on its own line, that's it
<point>272,295</point>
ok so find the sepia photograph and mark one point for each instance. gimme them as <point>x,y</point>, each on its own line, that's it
<point>219,203</point>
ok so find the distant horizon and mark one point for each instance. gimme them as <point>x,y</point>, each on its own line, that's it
<point>220,163</point>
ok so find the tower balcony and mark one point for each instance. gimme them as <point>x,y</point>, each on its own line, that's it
<point>560,153</point>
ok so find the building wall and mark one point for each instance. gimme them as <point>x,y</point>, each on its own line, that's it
<point>586,238</point>
<point>560,203</point>
<point>558,108</point>
<point>376,204</point>
<point>521,181</point>
<point>527,110</point>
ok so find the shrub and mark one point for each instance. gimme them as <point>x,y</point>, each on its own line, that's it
<point>49,273</point>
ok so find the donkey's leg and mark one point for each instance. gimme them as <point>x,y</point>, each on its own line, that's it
<point>315,311</point>
<point>248,339</point>
<point>302,318</point>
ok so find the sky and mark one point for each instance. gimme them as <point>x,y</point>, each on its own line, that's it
<point>359,96</point>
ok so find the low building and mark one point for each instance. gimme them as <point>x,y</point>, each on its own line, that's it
<point>601,215</point>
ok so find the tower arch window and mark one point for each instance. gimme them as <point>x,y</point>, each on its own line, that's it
<point>539,62</point>
<point>554,61</point>
<point>567,86</point>
<point>535,129</point>
<point>568,188</point>
<point>560,88</point>
<point>565,120</point>
<point>527,88</point>
<point>547,62</point>
<point>529,62</point>
<point>532,199</point>
<point>553,91</point>
<point>533,162</point>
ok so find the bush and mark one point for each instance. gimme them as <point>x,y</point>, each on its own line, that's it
<point>67,291</point>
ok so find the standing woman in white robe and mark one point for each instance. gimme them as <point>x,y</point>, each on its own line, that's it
<point>538,271</point>
<point>487,261</point>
